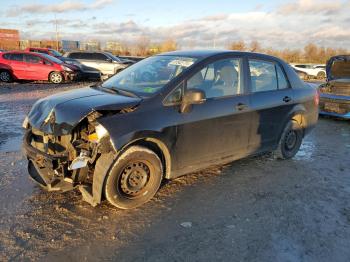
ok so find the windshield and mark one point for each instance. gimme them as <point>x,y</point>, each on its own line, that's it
<point>149,75</point>
<point>55,53</point>
<point>52,59</point>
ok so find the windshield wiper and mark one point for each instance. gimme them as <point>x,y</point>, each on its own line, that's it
<point>115,90</point>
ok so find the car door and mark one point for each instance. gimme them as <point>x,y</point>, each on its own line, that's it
<point>104,63</point>
<point>271,99</point>
<point>37,70</point>
<point>217,129</point>
<point>19,67</point>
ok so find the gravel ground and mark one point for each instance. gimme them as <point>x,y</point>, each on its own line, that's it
<point>256,209</point>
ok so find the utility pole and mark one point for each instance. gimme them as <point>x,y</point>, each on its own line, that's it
<point>57,47</point>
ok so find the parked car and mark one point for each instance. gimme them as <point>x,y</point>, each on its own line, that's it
<point>302,75</point>
<point>85,72</point>
<point>313,71</point>
<point>121,138</point>
<point>335,93</point>
<point>34,66</point>
<point>104,62</point>
<point>2,50</point>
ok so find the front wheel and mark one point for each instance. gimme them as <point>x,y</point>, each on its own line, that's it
<point>134,178</point>
<point>56,77</point>
<point>290,141</point>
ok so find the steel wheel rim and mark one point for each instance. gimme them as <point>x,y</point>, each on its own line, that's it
<point>291,140</point>
<point>134,179</point>
<point>56,78</point>
<point>4,76</point>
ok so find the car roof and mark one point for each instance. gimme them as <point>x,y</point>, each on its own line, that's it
<point>202,54</point>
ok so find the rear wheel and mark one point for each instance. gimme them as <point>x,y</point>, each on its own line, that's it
<point>290,141</point>
<point>56,77</point>
<point>5,76</point>
<point>134,178</point>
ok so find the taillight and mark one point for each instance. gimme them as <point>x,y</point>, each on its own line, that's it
<point>317,97</point>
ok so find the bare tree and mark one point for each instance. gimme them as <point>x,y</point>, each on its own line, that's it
<point>238,45</point>
<point>142,45</point>
<point>255,46</point>
<point>168,45</point>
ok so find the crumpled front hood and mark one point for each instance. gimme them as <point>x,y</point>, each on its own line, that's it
<point>59,114</point>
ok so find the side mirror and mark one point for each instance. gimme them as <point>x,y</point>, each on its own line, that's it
<point>192,97</point>
<point>109,60</point>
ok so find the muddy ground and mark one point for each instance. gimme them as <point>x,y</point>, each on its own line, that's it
<point>256,209</point>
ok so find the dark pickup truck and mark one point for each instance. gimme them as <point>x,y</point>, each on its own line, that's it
<point>120,139</point>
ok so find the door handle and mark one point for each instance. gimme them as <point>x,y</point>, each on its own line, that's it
<point>241,106</point>
<point>287,99</point>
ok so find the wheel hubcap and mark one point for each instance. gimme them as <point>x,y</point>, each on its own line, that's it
<point>291,139</point>
<point>134,179</point>
<point>56,78</point>
<point>4,76</point>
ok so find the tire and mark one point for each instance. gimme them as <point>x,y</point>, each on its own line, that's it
<point>321,75</point>
<point>134,178</point>
<point>5,76</point>
<point>56,77</point>
<point>290,141</point>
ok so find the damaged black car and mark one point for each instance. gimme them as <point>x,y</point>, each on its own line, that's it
<point>335,93</point>
<point>164,117</point>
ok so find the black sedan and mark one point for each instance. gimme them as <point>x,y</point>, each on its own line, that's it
<point>120,139</point>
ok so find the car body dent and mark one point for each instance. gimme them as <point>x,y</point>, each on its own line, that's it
<point>69,108</point>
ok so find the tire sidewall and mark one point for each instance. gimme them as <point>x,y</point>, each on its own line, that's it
<point>283,152</point>
<point>113,194</point>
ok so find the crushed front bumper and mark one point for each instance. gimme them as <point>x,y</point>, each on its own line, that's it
<point>41,167</point>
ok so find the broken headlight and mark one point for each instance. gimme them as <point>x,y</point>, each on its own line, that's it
<point>100,132</point>
<point>25,123</point>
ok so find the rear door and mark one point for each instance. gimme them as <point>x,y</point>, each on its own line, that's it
<point>19,67</point>
<point>218,129</point>
<point>271,100</point>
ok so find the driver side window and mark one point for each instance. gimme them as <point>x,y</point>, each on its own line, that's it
<point>219,79</point>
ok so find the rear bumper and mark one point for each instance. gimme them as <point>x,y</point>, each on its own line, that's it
<point>335,105</point>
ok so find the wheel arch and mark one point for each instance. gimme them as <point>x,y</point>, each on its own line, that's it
<point>297,114</point>
<point>106,161</point>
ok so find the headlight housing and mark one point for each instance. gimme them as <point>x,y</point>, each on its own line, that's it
<point>65,68</point>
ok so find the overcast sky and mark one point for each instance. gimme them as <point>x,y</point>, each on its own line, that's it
<point>196,23</point>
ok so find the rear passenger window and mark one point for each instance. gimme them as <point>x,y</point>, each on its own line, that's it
<point>75,55</point>
<point>14,57</point>
<point>262,75</point>
<point>266,76</point>
<point>99,56</point>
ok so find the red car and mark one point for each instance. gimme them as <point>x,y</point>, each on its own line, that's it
<point>34,66</point>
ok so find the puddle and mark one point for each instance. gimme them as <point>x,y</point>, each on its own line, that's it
<point>306,151</point>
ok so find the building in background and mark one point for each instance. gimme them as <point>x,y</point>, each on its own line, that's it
<point>9,39</point>
<point>91,45</point>
<point>69,45</point>
<point>113,46</point>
